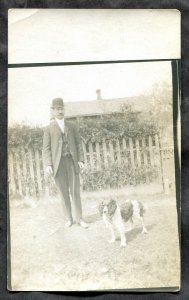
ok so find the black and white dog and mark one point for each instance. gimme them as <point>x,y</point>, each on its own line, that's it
<point>117,216</point>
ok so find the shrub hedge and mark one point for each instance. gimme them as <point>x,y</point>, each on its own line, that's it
<point>115,176</point>
<point>129,123</point>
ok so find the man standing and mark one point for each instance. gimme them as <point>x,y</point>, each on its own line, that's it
<point>63,158</point>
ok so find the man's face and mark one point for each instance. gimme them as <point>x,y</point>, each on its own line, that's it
<point>59,112</point>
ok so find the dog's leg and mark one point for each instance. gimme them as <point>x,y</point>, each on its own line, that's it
<point>137,213</point>
<point>122,235</point>
<point>130,226</point>
<point>112,240</point>
<point>144,230</point>
<point>121,230</point>
<point>110,226</point>
<point>120,227</point>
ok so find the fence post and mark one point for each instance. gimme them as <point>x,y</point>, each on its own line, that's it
<point>25,171</point>
<point>144,151</point>
<point>111,151</point>
<point>11,167</point>
<point>138,153</point>
<point>160,168</point>
<point>91,154</point>
<point>118,152</point>
<point>19,175</point>
<point>31,168</point>
<point>98,155</point>
<point>151,151</point>
<point>125,150</point>
<point>131,152</point>
<point>85,153</point>
<point>145,157</point>
<point>104,152</point>
<point>38,170</point>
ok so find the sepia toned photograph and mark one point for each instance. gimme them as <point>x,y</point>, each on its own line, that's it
<point>92,169</point>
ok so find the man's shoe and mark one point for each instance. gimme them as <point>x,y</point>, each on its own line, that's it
<point>83,224</point>
<point>68,224</point>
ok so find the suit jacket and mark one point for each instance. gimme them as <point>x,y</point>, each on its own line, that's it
<point>52,145</point>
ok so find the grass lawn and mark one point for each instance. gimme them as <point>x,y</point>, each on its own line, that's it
<point>47,256</point>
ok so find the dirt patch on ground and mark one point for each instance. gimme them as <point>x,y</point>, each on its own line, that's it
<point>47,256</point>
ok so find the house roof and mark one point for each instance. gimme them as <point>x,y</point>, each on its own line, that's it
<point>100,107</point>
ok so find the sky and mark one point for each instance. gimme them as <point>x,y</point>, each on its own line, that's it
<point>31,90</point>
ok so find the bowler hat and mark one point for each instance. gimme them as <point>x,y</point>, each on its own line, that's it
<point>57,102</point>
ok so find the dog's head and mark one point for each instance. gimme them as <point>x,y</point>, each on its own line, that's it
<point>108,208</point>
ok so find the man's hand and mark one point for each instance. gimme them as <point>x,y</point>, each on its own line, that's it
<point>81,165</point>
<point>49,170</point>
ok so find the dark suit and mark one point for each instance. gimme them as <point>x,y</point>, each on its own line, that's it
<point>65,168</point>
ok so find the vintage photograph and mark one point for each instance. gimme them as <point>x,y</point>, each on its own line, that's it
<point>92,175</point>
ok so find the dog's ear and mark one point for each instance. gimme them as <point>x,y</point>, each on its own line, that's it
<point>112,205</point>
<point>101,207</point>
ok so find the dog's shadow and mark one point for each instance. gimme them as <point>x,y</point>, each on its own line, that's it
<point>132,234</point>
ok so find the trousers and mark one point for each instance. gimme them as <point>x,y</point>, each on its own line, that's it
<point>68,184</point>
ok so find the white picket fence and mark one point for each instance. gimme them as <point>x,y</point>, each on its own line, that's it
<point>26,174</point>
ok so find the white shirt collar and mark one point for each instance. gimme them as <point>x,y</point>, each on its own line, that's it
<point>60,123</point>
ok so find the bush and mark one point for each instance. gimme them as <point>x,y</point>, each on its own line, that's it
<point>24,136</point>
<point>116,176</point>
<point>130,123</point>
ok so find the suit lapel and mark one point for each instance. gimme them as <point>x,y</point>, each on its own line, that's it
<point>66,129</point>
<point>56,128</point>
